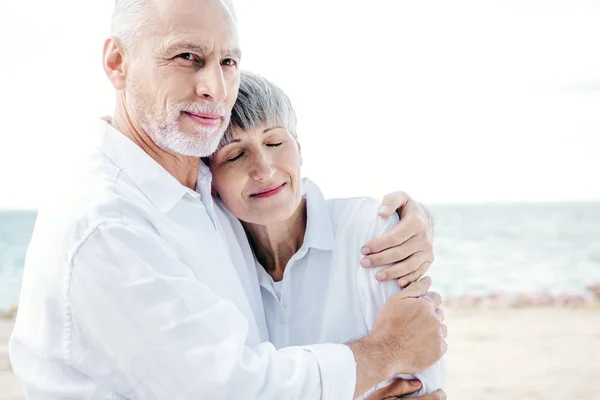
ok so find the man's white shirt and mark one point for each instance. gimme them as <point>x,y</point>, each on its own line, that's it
<point>135,287</point>
<point>325,296</point>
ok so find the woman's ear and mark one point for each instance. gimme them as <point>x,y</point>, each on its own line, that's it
<point>299,151</point>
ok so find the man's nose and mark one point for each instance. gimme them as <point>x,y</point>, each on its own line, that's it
<point>211,83</point>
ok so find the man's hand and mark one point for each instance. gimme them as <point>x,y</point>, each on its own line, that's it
<point>401,387</point>
<point>407,336</point>
<point>410,323</point>
<point>396,389</point>
<point>408,246</point>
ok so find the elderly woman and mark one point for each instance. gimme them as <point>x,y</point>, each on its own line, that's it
<point>306,248</point>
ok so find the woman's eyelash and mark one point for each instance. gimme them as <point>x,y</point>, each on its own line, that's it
<point>236,157</point>
<point>242,153</point>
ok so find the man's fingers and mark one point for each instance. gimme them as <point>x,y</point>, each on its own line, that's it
<point>398,253</point>
<point>392,238</point>
<point>397,388</point>
<point>416,289</point>
<point>416,275</point>
<point>440,314</point>
<point>393,201</point>
<point>403,268</point>
<point>434,297</point>
<point>439,395</point>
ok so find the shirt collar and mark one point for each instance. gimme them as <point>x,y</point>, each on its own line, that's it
<point>158,185</point>
<point>319,231</point>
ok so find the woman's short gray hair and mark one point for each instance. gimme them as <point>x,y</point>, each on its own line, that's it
<point>260,103</point>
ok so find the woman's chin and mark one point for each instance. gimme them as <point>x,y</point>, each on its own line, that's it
<point>269,216</point>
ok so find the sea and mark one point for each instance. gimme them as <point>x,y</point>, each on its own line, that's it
<point>480,249</point>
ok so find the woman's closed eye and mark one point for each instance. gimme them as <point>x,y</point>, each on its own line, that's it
<point>235,158</point>
<point>274,144</point>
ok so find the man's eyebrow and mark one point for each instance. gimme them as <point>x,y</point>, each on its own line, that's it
<point>233,53</point>
<point>203,49</point>
<point>194,48</point>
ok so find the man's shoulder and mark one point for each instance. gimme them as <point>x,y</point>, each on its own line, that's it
<point>97,192</point>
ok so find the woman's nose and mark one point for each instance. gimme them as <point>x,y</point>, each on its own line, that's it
<point>262,169</point>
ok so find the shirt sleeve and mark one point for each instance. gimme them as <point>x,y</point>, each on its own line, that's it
<point>142,325</point>
<point>374,295</point>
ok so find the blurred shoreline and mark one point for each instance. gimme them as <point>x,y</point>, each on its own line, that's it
<point>487,255</point>
<point>499,300</point>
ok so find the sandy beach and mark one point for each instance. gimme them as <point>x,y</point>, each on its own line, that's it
<point>496,354</point>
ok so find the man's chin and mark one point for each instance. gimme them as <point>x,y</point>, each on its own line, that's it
<point>195,151</point>
<point>184,146</point>
<point>193,142</point>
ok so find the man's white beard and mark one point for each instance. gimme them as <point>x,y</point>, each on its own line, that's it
<point>201,143</point>
<point>164,128</point>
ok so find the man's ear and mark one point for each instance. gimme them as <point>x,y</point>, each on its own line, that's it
<point>113,61</point>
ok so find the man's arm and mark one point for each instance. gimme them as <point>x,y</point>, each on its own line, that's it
<point>408,247</point>
<point>142,325</point>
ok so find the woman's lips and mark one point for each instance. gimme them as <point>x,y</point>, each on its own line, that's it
<point>205,119</point>
<point>269,192</point>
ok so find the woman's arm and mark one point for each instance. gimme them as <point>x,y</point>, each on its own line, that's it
<point>374,294</point>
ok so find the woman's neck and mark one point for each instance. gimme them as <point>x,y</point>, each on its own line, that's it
<point>275,244</point>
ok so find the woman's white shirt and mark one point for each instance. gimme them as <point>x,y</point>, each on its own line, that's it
<point>325,295</point>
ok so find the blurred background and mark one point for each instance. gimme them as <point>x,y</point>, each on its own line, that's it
<point>486,111</point>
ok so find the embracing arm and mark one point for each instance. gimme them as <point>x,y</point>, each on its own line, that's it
<point>143,325</point>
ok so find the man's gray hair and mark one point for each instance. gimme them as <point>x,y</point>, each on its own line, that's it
<point>260,103</point>
<point>131,17</point>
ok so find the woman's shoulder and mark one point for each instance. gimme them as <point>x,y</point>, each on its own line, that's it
<point>359,216</point>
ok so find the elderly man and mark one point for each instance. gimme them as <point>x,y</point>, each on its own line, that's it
<point>133,288</point>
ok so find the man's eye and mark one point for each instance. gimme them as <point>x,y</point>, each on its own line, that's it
<point>187,56</point>
<point>232,159</point>
<point>274,144</point>
<point>229,62</point>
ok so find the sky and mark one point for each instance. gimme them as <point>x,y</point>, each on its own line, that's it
<point>465,101</point>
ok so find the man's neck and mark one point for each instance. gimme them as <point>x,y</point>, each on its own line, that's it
<point>275,244</point>
<point>182,168</point>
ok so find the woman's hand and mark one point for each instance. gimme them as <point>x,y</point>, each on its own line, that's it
<point>408,246</point>
<point>401,387</point>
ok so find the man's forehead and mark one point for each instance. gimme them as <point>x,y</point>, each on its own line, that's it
<point>200,22</point>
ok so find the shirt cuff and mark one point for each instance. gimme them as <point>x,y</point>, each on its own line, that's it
<point>337,368</point>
